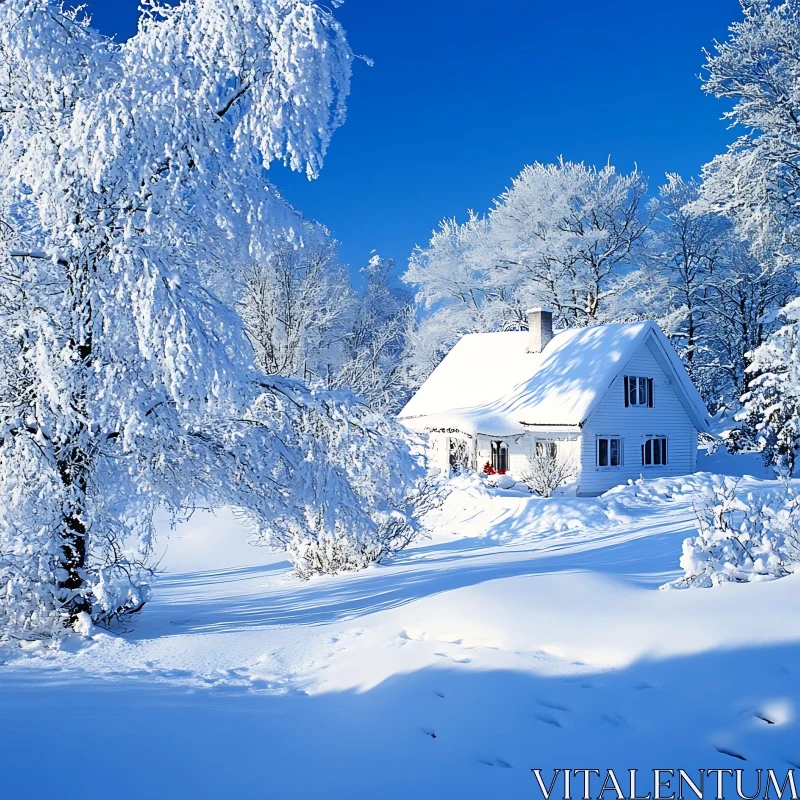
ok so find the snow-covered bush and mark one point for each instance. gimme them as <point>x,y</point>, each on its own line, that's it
<point>741,537</point>
<point>358,494</point>
<point>547,470</point>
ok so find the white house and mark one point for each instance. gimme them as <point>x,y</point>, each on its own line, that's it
<point>615,398</point>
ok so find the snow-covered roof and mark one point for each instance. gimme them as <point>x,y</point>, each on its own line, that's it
<point>489,383</point>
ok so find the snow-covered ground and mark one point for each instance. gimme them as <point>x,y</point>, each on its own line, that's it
<point>525,633</point>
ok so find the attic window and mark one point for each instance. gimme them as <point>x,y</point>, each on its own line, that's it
<point>500,456</point>
<point>638,391</point>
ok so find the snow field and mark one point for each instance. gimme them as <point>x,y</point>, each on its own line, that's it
<point>515,637</point>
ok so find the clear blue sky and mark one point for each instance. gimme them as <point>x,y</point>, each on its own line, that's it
<point>464,93</point>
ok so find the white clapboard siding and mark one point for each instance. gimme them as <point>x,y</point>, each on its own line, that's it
<point>667,418</point>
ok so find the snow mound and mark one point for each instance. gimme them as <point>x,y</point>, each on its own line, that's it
<point>518,517</point>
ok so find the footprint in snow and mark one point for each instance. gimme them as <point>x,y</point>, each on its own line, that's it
<point>495,762</point>
<point>548,720</point>
<point>732,753</point>
<point>613,719</point>
<point>554,706</point>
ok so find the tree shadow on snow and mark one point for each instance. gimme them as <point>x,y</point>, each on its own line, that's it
<point>649,560</point>
<point>438,732</point>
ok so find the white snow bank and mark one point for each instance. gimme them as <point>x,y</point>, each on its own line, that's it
<point>475,509</point>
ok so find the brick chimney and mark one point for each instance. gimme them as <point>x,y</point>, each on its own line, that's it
<point>540,325</point>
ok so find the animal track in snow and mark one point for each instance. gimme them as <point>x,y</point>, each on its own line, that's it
<point>731,753</point>
<point>554,706</point>
<point>495,762</point>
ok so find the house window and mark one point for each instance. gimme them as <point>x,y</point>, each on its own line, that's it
<point>459,454</point>
<point>638,391</point>
<point>546,449</point>
<point>500,456</point>
<point>654,451</point>
<point>609,451</point>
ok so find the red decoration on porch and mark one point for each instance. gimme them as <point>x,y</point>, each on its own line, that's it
<point>488,469</point>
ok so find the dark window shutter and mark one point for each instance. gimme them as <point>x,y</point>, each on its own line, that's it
<point>626,391</point>
<point>649,392</point>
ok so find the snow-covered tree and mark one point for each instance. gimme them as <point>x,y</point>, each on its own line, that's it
<point>741,303</point>
<point>563,233</point>
<point>131,176</point>
<point>562,236</point>
<point>353,490</point>
<point>306,321</point>
<point>686,250</point>
<point>771,413</point>
<point>712,296</point>
<point>455,273</point>
<point>376,339</point>
<point>297,307</point>
<point>756,183</point>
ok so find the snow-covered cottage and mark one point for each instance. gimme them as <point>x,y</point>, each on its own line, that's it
<point>615,399</point>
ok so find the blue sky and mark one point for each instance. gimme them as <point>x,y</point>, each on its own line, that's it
<point>464,93</point>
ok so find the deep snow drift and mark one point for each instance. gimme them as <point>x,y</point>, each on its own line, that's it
<point>525,633</point>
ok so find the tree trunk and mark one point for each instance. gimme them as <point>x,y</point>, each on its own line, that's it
<point>73,470</point>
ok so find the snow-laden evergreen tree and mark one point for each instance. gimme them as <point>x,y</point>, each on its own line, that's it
<point>756,184</point>
<point>564,235</point>
<point>771,413</point>
<point>132,176</point>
